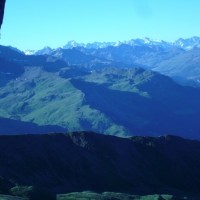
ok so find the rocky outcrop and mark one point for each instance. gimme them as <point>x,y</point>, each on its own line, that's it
<point>2,5</point>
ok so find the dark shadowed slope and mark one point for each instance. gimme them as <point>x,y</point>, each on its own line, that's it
<point>143,102</point>
<point>11,126</point>
<point>87,161</point>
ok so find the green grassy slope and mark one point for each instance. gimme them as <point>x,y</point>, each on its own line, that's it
<point>111,101</point>
<point>47,99</point>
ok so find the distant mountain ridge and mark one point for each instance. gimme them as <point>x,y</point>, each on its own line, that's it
<point>179,60</point>
<point>186,44</point>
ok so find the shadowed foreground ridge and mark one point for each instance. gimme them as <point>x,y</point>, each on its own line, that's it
<point>80,161</point>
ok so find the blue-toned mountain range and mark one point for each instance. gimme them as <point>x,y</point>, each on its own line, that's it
<point>110,90</point>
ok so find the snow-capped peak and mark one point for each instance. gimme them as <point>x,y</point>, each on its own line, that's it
<point>71,44</point>
<point>45,51</point>
<point>188,44</point>
<point>29,52</point>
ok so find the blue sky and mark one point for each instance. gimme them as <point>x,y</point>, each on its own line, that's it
<point>33,24</point>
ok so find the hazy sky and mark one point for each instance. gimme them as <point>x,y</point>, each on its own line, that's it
<point>33,24</point>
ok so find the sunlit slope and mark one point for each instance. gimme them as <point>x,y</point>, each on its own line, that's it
<point>111,101</point>
<point>47,99</point>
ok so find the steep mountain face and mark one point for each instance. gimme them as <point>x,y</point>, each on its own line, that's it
<point>81,161</point>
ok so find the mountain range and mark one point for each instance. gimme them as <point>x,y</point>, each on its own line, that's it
<point>179,59</point>
<point>72,90</point>
<point>186,44</point>
<point>54,102</point>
